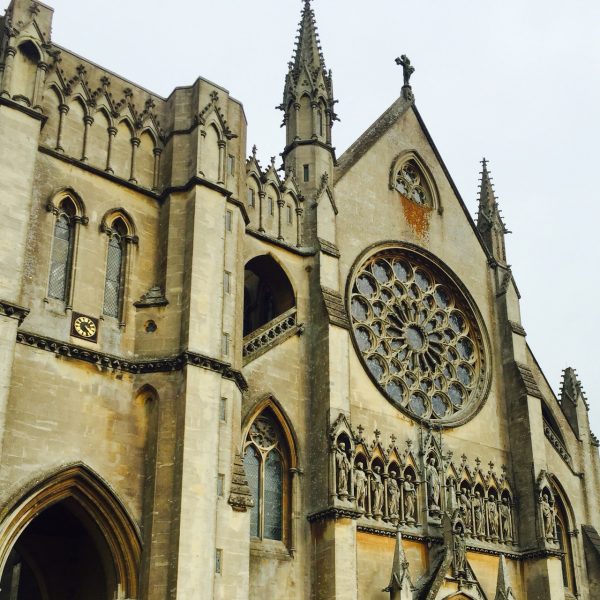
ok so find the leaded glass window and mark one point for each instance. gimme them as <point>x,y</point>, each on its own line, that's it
<point>410,183</point>
<point>419,336</point>
<point>60,262</point>
<point>264,461</point>
<point>115,259</point>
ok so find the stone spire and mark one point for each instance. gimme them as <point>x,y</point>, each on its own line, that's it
<point>489,220</point>
<point>503,587</point>
<point>308,102</point>
<point>400,587</point>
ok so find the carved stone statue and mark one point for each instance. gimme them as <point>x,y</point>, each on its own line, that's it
<point>410,500</point>
<point>377,491</point>
<point>360,486</point>
<point>478,512</point>
<point>493,516</point>
<point>460,553</point>
<point>343,468</point>
<point>407,68</point>
<point>465,504</point>
<point>433,485</point>
<point>393,496</point>
<point>505,519</point>
<point>547,516</point>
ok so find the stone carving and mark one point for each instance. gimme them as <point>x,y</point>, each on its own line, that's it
<point>478,513</point>
<point>548,514</point>
<point>433,485</point>
<point>460,553</point>
<point>410,500</point>
<point>360,485</point>
<point>505,519</point>
<point>343,469</point>
<point>493,517</point>
<point>393,496</point>
<point>465,505</point>
<point>407,68</point>
<point>377,491</point>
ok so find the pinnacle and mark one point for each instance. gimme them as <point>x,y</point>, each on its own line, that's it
<point>571,386</point>
<point>489,211</point>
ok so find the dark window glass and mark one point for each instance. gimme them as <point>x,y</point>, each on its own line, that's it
<point>60,263</point>
<point>273,501</point>
<point>306,172</point>
<point>113,282</point>
<point>252,467</point>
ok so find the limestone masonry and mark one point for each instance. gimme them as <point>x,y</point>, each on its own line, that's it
<point>221,379</point>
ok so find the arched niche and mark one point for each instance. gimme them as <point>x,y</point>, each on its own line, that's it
<point>69,534</point>
<point>122,149</point>
<point>97,146</point>
<point>268,292</point>
<point>25,67</point>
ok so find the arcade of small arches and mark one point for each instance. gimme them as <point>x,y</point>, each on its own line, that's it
<point>274,206</point>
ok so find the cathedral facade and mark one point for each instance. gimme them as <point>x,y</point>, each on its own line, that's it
<point>221,379</point>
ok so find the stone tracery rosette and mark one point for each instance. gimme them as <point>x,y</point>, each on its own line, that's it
<point>419,335</point>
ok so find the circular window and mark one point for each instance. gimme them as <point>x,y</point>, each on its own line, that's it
<point>418,336</point>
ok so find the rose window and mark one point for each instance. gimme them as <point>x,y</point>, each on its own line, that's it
<point>409,184</point>
<point>418,336</point>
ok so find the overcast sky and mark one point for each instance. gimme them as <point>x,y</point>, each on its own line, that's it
<point>517,81</point>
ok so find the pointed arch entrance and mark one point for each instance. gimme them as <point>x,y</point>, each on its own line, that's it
<point>68,537</point>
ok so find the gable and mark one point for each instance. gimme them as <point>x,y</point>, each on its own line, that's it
<point>371,211</point>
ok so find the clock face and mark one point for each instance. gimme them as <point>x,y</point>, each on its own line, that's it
<point>85,327</point>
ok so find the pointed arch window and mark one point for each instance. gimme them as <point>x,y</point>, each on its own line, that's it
<point>64,237</point>
<point>119,238</point>
<point>267,465</point>
<point>564,542</point>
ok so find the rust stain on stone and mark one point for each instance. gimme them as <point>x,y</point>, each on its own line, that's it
<point>417,216</point>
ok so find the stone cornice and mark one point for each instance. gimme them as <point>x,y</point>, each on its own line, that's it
<point>99,172</point>
<point>311,142</point>
<point>24,109</point>
<point>334,513</point>
<point>151,365</point>
<point>431,540</point>
<point>14,311</point>
<point>271,240</point>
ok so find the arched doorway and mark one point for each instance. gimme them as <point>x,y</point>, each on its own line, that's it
<point>69,538</point>
<point>61,555</point>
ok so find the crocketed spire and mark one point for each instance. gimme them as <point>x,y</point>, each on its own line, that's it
<point>307,73</point>
<point>489,220</point>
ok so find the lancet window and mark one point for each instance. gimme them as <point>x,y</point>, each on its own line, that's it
<point>61,261</point>
<point>266,461</point>
<point>119,231</point>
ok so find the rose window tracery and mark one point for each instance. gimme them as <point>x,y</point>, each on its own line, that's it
<point>409,183</point>
<point>417,336</point>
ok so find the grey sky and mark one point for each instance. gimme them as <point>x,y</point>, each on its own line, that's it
<point>517,81</point>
